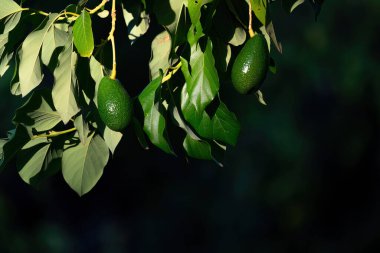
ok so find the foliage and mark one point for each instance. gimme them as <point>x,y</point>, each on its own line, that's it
<point>59,129</point>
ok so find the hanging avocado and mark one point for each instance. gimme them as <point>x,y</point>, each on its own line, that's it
<point>251,65</point>
<point>114,104</point>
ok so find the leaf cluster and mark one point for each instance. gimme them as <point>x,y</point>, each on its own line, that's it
<point>55,63</point>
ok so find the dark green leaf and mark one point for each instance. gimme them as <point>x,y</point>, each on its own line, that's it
<point>203,81</point>
<point>221,126</point>
<point>140,134</point>
<point>154,121</point>
<point>16,140</point>
<point>198,149</point>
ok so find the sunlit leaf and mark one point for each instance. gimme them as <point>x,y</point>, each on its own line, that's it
<point>136,27</point>
<point>83,164</point>
<point>112,139</point>
<point>96,71</point>
<point>31,158</point>
<point>30,72</point>
<point>290,5</point>
<point>83,36</point>
<point>54,39</point>
<point>66,83</point>
<point>203,81</point>
<point>198,149</point>
<point>161,47</point>
<point>82,128</point>
<point>8,7</point>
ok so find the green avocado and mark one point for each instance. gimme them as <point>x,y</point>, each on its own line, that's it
<point>251,65</point>
<point>114,104</point>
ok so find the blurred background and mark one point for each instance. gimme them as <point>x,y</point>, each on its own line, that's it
<point>304,176</point>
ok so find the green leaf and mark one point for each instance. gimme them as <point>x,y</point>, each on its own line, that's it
<point>83,36</point>
<point>154,121</point>
<point>260,97</point>
<point>44,117</point>
<point>83,164</point>
<point>8,7</point>
<point>291,5</point>
<point>112,139</point>
<point>161,48</point>
<point>317,5</point>
<point>221,126</point>
<point>37,112</point>
<point>168,13</point>
<point>96,71</point>
<point>31,158</point>
<point>54,39</point>
<point>140,134</point>
<point>11,22</point>
<point>82,128</point>
<point>203,81</point>
<point>194,7</point>
<point>65,86</point>
<point>51,166</point>
<point>16,140</point>
<point>226,127</point>
<point>198,149</point>
<point>137,26</point>
<point>259,7</point>
<point>30,73</point>
<point>270,31</point>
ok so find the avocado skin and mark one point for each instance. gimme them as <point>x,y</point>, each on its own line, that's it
<point>114,104</point>
<point>251,65</point>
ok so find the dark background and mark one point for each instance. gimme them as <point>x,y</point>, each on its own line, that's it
<point>304,176</point>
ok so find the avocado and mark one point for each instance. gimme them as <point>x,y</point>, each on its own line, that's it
<point>114,104</point>
<point>251,65</point>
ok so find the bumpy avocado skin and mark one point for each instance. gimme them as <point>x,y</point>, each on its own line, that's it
<point>114,104</point>
<point>251,65</point>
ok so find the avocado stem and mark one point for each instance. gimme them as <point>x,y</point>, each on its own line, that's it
<point>250,30</point>
<point>171,73</point>
<point>92,11</point>
<point>54,133</point>
<point>112,39</point>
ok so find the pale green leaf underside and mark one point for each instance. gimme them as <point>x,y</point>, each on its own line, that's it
<point>161,47</point>
<point>34,153</point>
<point>44,117</point>
<point>82,165</point>
<point>30,73</point>
<point>8,7</point>
<point>112,138</point>
<point>65,86</point>
<point>135,30</point>
<point>54,39</point>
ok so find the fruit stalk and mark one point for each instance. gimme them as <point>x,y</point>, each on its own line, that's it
<point>112,39</point>
<point>250,30</point>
